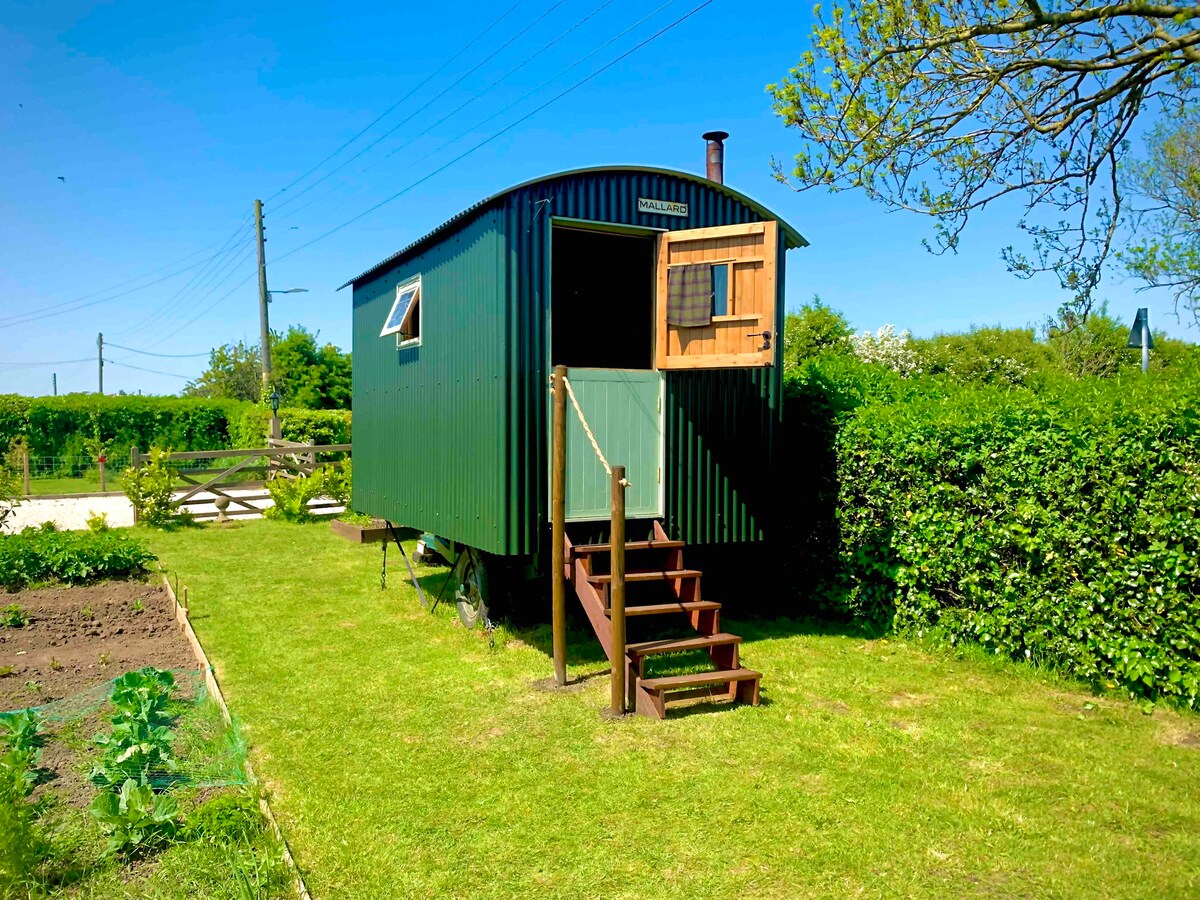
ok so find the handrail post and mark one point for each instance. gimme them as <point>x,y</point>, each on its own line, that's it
<point>617,589</point>
<point>558,518</point>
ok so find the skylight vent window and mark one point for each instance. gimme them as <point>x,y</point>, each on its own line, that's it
<point>404,320</point>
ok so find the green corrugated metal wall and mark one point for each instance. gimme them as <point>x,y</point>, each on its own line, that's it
<point>430,434</point>
<point>484,380</point>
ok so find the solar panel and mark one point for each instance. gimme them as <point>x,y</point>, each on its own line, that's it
<point>405,297</point>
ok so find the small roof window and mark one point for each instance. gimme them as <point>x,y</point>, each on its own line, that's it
<point>403,318</point>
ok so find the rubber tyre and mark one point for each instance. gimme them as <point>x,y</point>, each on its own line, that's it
<point>473,594</point>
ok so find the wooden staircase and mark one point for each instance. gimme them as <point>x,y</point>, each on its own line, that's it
<point>658,564</point>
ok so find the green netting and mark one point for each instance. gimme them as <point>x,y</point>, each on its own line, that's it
<point>207,751</point>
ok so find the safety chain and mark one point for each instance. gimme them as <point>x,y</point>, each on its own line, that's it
<point>588,431</point>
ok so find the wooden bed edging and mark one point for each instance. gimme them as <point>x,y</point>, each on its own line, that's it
<point>214,690</point>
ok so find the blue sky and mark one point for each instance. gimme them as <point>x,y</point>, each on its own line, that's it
<point>167,120</point>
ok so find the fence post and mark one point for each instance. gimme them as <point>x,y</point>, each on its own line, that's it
<point>617,589</point>
<point>558,518</point>
<point>25,471</point>
<point>135,462</point>
<point>103,483</point>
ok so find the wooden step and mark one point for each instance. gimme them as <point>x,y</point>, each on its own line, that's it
<point>658,609</point>
<point>701,642</point>
<point>666,575</point>
<point>698,679</point>
<point>629,545</point>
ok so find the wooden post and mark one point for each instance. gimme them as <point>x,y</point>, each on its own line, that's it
<point>135,462</point>
<point>103,482</point>
<point>617,589</point>
<point>25,471</point>
<point>558,518</point>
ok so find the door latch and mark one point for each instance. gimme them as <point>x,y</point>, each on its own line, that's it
<point>766,338</point>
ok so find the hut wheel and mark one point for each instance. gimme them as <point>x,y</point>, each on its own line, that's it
<point>472,596</point>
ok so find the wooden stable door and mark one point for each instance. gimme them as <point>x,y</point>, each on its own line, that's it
<point>733,264</point>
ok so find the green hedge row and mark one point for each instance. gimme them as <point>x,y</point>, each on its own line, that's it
<point>1060,525</point>
<point>59,426</point>
<point>42,554</point>
<point>319,426</point>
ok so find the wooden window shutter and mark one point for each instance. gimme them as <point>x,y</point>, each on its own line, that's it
<point>742,330</point>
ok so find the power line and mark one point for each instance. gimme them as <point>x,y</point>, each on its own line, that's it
<point>77,304</point>
<point>295,210</point>
<point>151,371</point>
<point>213,279</point>
<point>426,106</point>
<point>388,111</point>
<point>207,309</point>
<point>160,355</point>
<point>231,269</point>
<point>205,274</point>
<point>57,362</point>
<point>503,130</point>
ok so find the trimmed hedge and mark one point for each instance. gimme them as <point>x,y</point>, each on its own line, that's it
<point>58,426</point>
<point>74,557</point>
<point>1060,525</point>
<point>319,426</point>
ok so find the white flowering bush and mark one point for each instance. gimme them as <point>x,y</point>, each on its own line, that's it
<point>888,348</point>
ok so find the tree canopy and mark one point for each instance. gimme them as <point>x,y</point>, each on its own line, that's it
<point>946,106</point>
<point>305,374</point>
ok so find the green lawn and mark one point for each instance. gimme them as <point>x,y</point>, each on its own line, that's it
<point>409,760</point>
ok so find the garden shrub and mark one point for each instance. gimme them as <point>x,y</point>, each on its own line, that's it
<point>291,496</point>
<point>338,480</point>
<point>230,818</point>
<point>150,488</point>
<point>11,491</point>
<point>74,557</point>
<point>1060,525</point>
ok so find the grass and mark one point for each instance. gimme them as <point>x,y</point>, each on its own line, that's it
<point>407,759</point>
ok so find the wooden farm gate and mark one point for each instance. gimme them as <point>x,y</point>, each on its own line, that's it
<point>280,459</point>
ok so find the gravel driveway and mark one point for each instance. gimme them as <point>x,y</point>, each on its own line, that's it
<point>71,514</point>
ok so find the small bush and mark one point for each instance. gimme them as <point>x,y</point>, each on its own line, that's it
<point>11,492</point>
<point>98,522</point>
<point>291,496</point>
<point>19,844</point>
<point>73,557</point>
<point>150,487</point>
<point>337,482</point>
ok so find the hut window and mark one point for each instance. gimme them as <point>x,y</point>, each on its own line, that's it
<point>404,319</point>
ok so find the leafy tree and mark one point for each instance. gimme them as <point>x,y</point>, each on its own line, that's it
<point>305,374</point>
<point>946,106</point>
<point>1168,252</point>
<point>308,375</point>
<point>233,373</point>
<point>812,330</point>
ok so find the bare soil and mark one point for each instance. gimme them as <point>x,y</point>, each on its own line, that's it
<point>79,637</point>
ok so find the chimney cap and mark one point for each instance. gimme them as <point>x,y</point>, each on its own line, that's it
<point>715,135</point>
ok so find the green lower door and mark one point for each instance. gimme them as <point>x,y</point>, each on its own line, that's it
<point>624,410</point>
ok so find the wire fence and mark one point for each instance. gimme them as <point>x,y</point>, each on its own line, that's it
<point>81,474</point>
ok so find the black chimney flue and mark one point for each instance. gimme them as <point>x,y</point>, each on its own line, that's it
<point>714,157</point>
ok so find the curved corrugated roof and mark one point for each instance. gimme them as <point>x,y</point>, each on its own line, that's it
<point>794,238</point>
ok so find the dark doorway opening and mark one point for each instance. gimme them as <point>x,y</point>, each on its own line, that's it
<point>601,300</point>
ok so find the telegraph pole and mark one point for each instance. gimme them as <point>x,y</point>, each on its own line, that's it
<point>263,299</point>
<point>100,359</point>
<point>54,382</point>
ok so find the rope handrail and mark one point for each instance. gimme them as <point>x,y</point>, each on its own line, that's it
<point>587,430</point>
